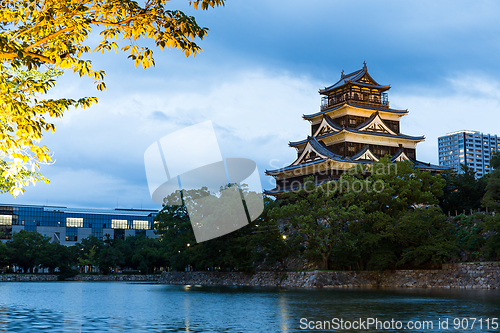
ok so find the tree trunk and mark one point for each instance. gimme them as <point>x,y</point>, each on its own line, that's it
<point>324,262</point>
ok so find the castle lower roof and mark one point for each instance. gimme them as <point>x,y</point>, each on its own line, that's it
<point>367,107</point>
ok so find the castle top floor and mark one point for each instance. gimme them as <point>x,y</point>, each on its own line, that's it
<point>357,88</point>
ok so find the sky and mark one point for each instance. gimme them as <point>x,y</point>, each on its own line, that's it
<point>262,65</point>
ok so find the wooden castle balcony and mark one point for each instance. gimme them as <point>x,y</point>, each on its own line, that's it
<point>355,98</point>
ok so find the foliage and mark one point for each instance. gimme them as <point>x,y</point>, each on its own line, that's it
<point>23,121</point>
<point>147,255</point>
<point>55,34</point>
<point>24,249</point>
<point>51,256</point>
<point>492,244</point>
<point>4,255</point>
<point>261,241</point>
<point>426,236</point>
<point>272,241</point>
<point>383,217</point>
<point>462,191</point>
<point>491,198</point>
<point>320,216</point>
<point>470,234</point>
<point>357,221</point>
<point>495,160</point>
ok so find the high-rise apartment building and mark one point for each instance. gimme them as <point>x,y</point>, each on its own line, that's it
<point>470,148</point>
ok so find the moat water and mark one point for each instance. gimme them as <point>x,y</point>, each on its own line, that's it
<point>142,307</point>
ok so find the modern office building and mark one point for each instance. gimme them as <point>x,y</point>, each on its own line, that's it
<point>470,148</point>
<point>70,225</point>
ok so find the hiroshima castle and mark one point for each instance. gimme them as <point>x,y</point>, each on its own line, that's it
<point>355,125</point>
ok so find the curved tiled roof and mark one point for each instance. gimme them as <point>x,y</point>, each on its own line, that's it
<point>399,152</point>
<point>332,123</point>
<point>361,152</point>
<point>309,116</point>
<point>319,148</point>
<point>291,167</point>
<point>352,130</point>
<point>400,136</point>
<point>296,143</point>
<point>354,77</point>
<point>367,121</point>
<point>427,166</point>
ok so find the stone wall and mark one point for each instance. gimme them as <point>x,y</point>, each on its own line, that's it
<point>51,277</point>
<point>462,275</point>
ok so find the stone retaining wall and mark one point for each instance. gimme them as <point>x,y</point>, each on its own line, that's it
<point>463,275</point>
<point>52,277</point>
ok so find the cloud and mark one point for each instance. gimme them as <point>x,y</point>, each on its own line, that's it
<point>466,101</point>
<point>262,65</point>
<point>99,152</point>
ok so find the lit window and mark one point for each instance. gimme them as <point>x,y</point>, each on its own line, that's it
<point>5,219</point>
<point>74,222</point>
<point>141,224</point>
<point>119,224</point>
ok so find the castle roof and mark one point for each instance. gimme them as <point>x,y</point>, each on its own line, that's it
<point>355,131</point>
<point>367,107</point>
<point>355,77</point>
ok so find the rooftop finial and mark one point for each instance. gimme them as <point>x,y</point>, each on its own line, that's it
<point>342,74</point>
<point>364,64</point>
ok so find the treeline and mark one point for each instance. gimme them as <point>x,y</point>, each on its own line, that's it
<point>29,250</point>
<point>393,217</point>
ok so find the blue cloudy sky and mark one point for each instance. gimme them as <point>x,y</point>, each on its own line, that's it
<point>260,71</point>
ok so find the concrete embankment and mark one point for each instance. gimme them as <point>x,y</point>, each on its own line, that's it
<point>462,275</point>
<point>52,277</point>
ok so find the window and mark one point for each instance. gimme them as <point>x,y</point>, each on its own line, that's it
<point>141,224</point>
<point>119,224</point>
<point>74,222</point>
<point>5,219</point>
<point>71,234</point>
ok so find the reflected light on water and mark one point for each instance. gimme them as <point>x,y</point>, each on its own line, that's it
<point>283,313</point>
<point>187,309</point>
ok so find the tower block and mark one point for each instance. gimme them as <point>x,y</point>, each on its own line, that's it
<point>354,125</point>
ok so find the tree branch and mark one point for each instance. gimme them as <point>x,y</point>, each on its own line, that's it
<point>12,55</point>
<point>49,37</point>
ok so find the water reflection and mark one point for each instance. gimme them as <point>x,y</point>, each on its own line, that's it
<point>187,309</point>
<point>127,307</point>
<point>3,319</point>
<point>283,312</point>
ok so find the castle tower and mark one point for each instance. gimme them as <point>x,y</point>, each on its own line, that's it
<point>355,125</point>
